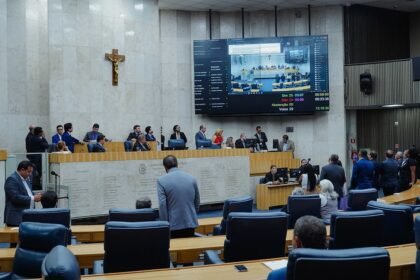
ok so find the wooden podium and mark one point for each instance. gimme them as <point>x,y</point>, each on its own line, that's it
<point>273,195</point>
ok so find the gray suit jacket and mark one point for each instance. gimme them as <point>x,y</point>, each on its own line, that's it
<point>179,199</point>
<point>17,199</point>
<point>290,145</point>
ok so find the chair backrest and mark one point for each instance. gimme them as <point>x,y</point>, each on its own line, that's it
<point>240,204</point>
<point>128,146</point>
<point>136,245</point>
<point>302,205</point>
<point>203,143</point>
<point>60,264</point>
<point>90,147</point>
<point>262,180</point>
<point>251,236</point>
<point>398,223</point>
<point>59,216</point>
<point>176,143</point>
<point>356,229</point>
<point>36,240</point>
<point>358,199</point>
<point>130,215</point>
<point>417,238</point>
<point>361,263</point>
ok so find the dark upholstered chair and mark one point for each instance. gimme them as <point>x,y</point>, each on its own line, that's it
<point>130,215</point>
<point>251,236</point>
<point>358,199</point>
<point>135,246</point>
<point>201,144</point>
<point>59,216</point>
<point>348,264</point>
<point>414,207</point>
<point>36,240</point>
<point>128,146</point>
<point>241,204</point>
<point>302,205</point>
<point>60,264</point>
<point>398,223</point>
<point>176,144</point>
<point>356,229</point>
<point>417,237</point>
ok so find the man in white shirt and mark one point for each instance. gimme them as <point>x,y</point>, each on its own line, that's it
<point>19,195</point>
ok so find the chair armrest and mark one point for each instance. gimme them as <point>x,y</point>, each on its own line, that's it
<point>211,257</point>
<point>416,210</point>
<point>98,267</point>
<point>5,275</point>
<point>217,230</point>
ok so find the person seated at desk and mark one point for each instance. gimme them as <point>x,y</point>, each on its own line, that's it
<point>98,147</point>
<point>62,148</point>
<point>229,143</point>
<point>141,144</point>
<point>240,143</point>
<point>178,134</point>
<point>93,135</point>
<point>143,202</point>
<point>309,232</point>
<point>49,199</point>
<point>217,138</point>
<point>135,134</point>
<point>329,200</point>
<point>273,176</point>
<point>149,134</point>
<point>308,179</point>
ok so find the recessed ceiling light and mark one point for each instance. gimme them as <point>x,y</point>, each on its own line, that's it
<point>392,106</point>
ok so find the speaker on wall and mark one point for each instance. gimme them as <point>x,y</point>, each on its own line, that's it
<point>366,83</point>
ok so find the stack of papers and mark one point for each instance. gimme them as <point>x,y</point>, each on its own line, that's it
<point>276,264</point>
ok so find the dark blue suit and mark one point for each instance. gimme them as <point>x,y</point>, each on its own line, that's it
<point>362,176</point>
<point>55,139</point>
<point>389,176</point>
<point>336,175</point>
<point>150,137</point>
<point>70,141</point>
<point>17,199</point>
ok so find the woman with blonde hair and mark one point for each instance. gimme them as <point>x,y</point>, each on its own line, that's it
<point>218,137</point>
<point>329,200</point>
<point>62,148</point>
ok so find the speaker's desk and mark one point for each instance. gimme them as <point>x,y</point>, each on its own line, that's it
<point>408,196</point>
<point>182,250</point>
<point>95,233</point>
<point>273,195</point>
<point>403,259</point>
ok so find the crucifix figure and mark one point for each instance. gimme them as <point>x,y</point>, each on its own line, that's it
<point>115,58</point>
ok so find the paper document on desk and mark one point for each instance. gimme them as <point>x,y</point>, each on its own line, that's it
<point>276,264</point>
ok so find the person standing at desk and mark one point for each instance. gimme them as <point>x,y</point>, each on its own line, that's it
<point>388,174</point>
<point>273,176</point>
<point>362,175</point>
<point>335,173</point>
<point>261,138</point>
<point>59,136</point>
<point>286,145</point>
<point>19,195</point>
<point>68,138</point>
<point>178,134</point>
<point>179,199</point>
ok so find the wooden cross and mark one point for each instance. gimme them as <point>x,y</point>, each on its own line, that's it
<point>115,58</point>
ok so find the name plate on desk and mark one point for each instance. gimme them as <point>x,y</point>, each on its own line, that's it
<point>97,186</point>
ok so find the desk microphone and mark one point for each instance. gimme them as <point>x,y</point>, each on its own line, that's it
<point>54,173</point>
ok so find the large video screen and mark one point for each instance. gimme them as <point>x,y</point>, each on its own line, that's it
<point>280,75</point>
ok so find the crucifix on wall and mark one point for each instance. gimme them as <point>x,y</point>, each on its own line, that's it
<point>115,59</point>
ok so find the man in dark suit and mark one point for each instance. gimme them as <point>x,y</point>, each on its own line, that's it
<point>149,134</point>
<point>240,143</point>
<point>334,173</point>
<point>92,136</point>
<point>261,138</point>
<point>37,144</point>
<point>135,134</point>
<point>178,134</point>
<point>29,137</point>
<point>363,171</point>
<point>19,195</point>
<point>141,144</point>
<point>98,147</point>
<point>388,174</point>
<point>70,140</point>
<point>200,135</point>
<point>59,136</point>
